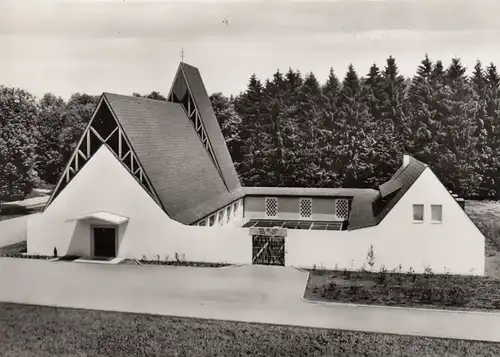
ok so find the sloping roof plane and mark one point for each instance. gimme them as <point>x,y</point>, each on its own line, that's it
<point>172,155</point>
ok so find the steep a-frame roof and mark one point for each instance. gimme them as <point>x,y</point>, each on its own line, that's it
<point>389,194</point>
<point>178,166</point>
<point>174,148</point>
<point>188,83</point>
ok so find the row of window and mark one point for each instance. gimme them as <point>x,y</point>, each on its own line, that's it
<point>306,208</point>
<point>222,217</point>
<point>436,213</point>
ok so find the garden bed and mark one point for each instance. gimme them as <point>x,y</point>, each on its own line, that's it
<point>405,289</point>
<point>179,263</point>
<point>47,331</point>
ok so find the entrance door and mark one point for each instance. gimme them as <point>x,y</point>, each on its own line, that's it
<point>104,242</point>
<point>268,250</point>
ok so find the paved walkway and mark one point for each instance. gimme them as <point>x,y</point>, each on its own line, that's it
<point>13,230</point>
<point>247,293</point>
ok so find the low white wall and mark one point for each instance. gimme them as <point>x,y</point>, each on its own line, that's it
<point>349,250</point>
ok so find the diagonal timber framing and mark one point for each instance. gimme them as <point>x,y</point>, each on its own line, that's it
<point>83,152</point>
<point>192,110</point>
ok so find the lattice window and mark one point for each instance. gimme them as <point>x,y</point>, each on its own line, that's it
<point>342,209</point>
<point>103,130</point>
<point>305,205</point>
<point>271,208</point>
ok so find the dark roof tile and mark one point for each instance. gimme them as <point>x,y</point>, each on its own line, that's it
<point>172,155</point>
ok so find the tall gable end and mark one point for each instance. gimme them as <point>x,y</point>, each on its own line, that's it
<point>104,129</point>
<point>188,90</point>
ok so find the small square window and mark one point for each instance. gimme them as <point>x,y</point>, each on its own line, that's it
<point>418,213</point>
<point>436,213</point>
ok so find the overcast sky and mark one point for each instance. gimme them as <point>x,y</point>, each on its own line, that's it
<point>126,46</point>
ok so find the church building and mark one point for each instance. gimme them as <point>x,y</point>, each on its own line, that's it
<point>154,180</point>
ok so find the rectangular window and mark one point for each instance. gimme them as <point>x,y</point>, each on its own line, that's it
<point>228,214</point>
<point>235,208</point>
<point>211,221</point>
<point>418,213</point>
<point>221,214</point>
<point>436,213</point>
<point>305,207</point>
<point>271,207</point>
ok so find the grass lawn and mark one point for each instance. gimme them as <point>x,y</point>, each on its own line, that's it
<point>16,248</point>
<point>45,331</point>
<point>486,215</point>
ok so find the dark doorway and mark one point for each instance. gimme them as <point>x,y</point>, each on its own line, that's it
<point>104,242</point>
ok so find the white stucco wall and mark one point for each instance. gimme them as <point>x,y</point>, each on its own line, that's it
<point>105,185</point>
<point>456,245</point>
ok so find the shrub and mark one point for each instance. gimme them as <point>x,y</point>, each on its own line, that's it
<point>456,296</point>
<point>381,277</point>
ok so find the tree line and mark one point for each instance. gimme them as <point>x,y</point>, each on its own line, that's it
<point>292,130</point>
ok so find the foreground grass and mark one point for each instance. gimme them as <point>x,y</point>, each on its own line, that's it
<point>45,331</point>
<point>486,215</point>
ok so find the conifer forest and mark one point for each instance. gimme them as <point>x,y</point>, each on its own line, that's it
<point>291,129</point>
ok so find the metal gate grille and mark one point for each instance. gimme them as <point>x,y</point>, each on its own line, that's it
<point>268,250</point>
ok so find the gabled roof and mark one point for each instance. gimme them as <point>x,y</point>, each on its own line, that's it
<point>178,166</point>
<point>390,193</point>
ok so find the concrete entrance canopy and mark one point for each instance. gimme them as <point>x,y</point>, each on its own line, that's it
<point>104,217</point>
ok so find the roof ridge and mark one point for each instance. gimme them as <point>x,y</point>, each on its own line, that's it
<point>139,98</point>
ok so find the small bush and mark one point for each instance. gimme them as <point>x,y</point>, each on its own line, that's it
<point>381,277</point>
<point>456,297</point>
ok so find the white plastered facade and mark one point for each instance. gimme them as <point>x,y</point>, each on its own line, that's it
<point>454,246</point>
<point>103,185</point>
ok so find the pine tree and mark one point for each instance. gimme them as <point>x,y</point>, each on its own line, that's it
<point>250,106</point>
<point>308,147</point>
